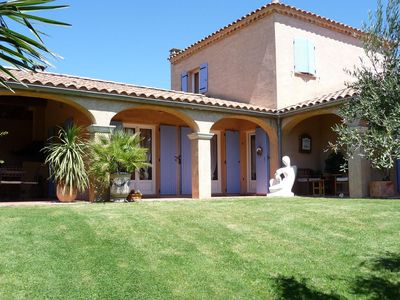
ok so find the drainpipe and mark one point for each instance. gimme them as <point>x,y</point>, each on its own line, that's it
<point>279,131</point>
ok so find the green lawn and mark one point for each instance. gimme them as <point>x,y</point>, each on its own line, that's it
<point>220,249</point>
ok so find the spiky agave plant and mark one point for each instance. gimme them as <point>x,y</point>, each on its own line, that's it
<point>120,152</point>
<point>66,155</point>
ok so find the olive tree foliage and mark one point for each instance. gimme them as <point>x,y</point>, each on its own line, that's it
<point>18,48</point>
<point>371,119</point>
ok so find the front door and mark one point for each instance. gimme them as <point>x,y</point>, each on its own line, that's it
<point>232,162</point>
<point>144,179</point>
<point>168,160</point>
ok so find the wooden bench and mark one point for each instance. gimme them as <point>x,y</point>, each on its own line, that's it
<point>15,177</point>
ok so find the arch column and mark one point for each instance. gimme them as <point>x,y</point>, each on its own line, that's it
<point>201,162</point>
<point>359,171</point>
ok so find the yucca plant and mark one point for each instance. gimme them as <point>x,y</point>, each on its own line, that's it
<point>66,155</point>
<point>119,153</point>
<point>16,48</point>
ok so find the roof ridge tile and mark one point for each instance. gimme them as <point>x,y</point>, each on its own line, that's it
<point>274,7</point>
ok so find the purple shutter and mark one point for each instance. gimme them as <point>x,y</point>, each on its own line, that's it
<point>168,170</point>
<point>186,162</point>
<point>203,84</point>
<point>232,162</point>
<point>262,162</point>
<point>398,174</point>
<point>185,82</point>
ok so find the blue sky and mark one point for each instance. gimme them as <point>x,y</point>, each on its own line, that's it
<point>129,40</point>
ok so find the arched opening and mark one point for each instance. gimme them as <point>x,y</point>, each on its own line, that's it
<point>30,121</point>
<point>306,141</point>
<point>243,153</point>
<point>164,133</point>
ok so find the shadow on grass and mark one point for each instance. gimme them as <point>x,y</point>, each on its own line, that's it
<point>390,262</point>
<point>383,280</point>
<point>291,288</point>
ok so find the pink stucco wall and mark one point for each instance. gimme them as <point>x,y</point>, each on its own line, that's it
<point>256,64</point>
<point>241,67</point>
<point>334,53</point>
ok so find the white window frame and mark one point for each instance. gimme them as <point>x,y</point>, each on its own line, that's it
<point>216,184</point>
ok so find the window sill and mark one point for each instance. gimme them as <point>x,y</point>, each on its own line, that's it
<point>307,76</point>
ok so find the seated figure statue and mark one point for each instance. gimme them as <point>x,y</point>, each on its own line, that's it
<point>281,185</point>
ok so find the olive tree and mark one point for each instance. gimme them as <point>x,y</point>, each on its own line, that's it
<point>376,105</point>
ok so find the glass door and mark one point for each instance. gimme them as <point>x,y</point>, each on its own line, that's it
<point>215,163</point>
<point>143,179</point>
<point>251,163</point>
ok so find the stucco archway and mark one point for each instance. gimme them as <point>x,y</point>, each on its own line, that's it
<point>30,121</point>
<point>179,115</point>
<point>53,97</point>
<point>306,138</point>
<point>239,135</point>
<point>289,122</point>
<point>164,133</point>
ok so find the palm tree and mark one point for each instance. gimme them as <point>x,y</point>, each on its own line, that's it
<point>117,154</point>
<point>19,50</point>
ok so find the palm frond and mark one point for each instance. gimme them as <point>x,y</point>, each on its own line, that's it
<point>19,50</point>
<point>121,152</point>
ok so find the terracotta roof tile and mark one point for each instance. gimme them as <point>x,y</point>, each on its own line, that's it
<point>257,14</point>
<point>325,99</point>
<point>61,81</point>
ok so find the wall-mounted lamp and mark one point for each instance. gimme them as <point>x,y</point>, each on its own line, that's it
<point>259,151</point>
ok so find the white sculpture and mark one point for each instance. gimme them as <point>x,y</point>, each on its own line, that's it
<point>282,184</point>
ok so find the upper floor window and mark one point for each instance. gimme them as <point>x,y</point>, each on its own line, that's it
<point>195,81</point>
<point>304,56</point>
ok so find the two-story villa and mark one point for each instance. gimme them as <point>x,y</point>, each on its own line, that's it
<point>264,86</point>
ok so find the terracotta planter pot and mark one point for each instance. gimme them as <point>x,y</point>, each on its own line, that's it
<point>66,196</point>
<point>137,197</point>
<point>381,189</point>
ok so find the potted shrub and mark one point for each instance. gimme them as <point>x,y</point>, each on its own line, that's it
<point>65,155</point>
<point>112,161</point>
